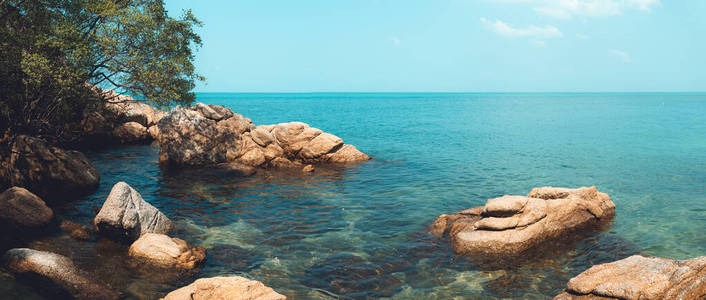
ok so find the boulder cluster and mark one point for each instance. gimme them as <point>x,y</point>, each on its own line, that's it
<point>126,217</point>
<point>123,120</point>
<point>214,135</point>
<point>202,135</point>
<point>513,224</point>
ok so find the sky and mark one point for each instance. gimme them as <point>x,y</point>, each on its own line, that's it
<point>450,45</point>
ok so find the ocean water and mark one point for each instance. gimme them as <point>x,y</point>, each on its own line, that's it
<point>359,232</point>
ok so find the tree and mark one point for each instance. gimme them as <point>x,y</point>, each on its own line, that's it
<point>52,52</point>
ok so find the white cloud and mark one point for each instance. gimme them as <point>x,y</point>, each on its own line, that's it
<point>567,9</point>
<point>622,55</point>
<point>534,31</point>
<point>645,5</point>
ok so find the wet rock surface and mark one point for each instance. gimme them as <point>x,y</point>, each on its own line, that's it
<point>47,171</point>
<point>232,288</point>
<point>125,215</point>
<point>55,275</point>
<point>163,251</point>
<point>639,277</point>
<point>211,134</point>
<point>513,224</point>
<point>20,208</point>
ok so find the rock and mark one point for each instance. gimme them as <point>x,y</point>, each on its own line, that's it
<point>76,231</point>
<point>320,145</point>
<point>254,157</point>
<point>346,154</point>
<point>188,138</point>
<point>207,111</point>
<point>96,126</point>
<point>153,132</point>
<point>163,251</point>
<point>308,168</point>
<point>210,134</point>
<point>57,269</point>
<point>231,288</point>
<point>130,110</point>
<point>126,215</point>
<point>348,275</point>
<point>50,172</point>
<point>513,224</point>
<point>283,163</point>
<point>638,277</point>
<point>131,132</point>
<point>21,208</point>
<point>262,136</point>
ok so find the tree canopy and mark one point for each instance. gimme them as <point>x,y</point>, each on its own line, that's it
<point>53,51</point>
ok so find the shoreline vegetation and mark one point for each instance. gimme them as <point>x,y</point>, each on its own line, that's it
<point>68,69</point>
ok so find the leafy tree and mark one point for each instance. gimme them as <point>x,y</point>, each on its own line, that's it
<point>52,52</point>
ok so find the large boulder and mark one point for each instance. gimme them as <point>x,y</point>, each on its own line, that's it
<point>125,215</point>
<point>21,208</point>
<point>513,224</point>
<point>210,134</point>
<point>231,288</point>
<point>57,270</point>
<point>163,251</point>
<point>129,110</point>
<point>186,137</point>
<point>638,277</point>
<point>48,171</point>
<point>131,132</point>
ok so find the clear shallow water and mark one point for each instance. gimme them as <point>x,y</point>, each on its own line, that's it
<point>360,232</point>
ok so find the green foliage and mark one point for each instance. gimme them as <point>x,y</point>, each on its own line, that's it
<point>53,51</point>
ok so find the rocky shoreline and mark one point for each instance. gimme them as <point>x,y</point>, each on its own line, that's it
<point>205,136</point>
<point>210,136</point>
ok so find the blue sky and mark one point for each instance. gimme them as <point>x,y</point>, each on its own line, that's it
<point>450,45</point>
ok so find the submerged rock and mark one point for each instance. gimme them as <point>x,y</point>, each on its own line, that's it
<point>513,224</point>
<point>231,288</point>
<point>638,277</point>
<point>211,134</point>
<point>56,269</point>
<point>76,231</point>
<point>355,277</point>
<point>164,251</point>
<point>126,215</point>
<point>48,171</point>
<point>20,207</point>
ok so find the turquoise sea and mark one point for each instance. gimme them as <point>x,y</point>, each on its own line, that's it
<point>360,232</point>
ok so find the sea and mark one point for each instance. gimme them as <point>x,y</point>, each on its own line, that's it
<point>360,231</point>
